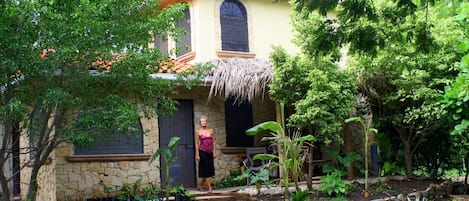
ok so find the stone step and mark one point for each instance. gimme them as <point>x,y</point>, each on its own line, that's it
<point>459,197</point>
<point>213,197</point>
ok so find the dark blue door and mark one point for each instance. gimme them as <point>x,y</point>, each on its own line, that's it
<point>181,124</point>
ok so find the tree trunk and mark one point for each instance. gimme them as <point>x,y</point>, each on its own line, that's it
<point>408,161</point>
<point>5,188</point>
<point>8,133</point>
<point>33,185</point>
<point>467,168</point>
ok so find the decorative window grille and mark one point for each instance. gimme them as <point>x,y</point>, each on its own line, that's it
<point>234,26</point>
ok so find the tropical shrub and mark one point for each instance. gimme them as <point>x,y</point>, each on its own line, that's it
<point>333,182</point>
<point>289,159</point>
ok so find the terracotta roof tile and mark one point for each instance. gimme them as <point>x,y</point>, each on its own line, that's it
<point>166,3</point>
<point>170,66</point>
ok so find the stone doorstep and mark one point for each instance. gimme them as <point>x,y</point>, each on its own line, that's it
<point>212,197</point>
<point>207,197</point>
<point>196,192</point>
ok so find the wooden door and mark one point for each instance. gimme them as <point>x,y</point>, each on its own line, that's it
<point>181,124</point>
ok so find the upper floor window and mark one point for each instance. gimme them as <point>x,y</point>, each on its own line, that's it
<point>182,45</point>
<point>234,26</point>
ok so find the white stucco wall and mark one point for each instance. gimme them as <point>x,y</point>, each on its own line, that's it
<point>268,24</point>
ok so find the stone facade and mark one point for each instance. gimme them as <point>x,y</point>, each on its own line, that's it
<point>79,180</point>
<point>46,178</point>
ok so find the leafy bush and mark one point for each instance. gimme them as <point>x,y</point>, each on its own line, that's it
<point>231,181</point>
<point>333,184</point>
<point>131,192</point>
<point>339,199</point>
<point>392,169</point>
<point>383,187</point>
<point>300,195</point>
<point>182,194</point>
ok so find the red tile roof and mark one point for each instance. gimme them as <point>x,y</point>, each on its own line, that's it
<point>166,3</point>
<point>178,65</point>
<point>170,66</point>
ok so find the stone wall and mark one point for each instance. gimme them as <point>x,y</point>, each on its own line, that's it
<point>214,109</point>
<point>77,180</point>
<point>46,178</point>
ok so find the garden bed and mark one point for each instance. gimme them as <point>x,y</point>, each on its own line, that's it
<point>378,190</point>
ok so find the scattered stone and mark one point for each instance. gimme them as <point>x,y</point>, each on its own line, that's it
<point>401,197</point>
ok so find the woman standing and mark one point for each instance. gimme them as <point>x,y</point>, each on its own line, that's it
<point>205,152</point>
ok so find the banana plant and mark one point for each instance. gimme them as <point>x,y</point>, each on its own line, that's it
<point>289,148</point>
<point>367,130</point>
<point>169,156</point>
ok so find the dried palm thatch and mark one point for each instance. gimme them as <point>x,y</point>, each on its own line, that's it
<point>241,78</point>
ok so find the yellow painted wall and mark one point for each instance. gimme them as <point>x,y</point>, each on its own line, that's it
<point>268,24</point>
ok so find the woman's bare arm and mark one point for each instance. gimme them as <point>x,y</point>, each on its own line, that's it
<point>214,151</point>
<point>196,141</point>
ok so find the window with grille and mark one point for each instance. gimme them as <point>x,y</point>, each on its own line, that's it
<point>161,42</point>
<point>184,43</point>
<point>234,26</point>
<point>116,143</point>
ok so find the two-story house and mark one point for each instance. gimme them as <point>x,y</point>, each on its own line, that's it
<point>229,33</point>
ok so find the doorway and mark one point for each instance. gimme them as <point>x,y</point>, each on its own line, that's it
<point>180,124</point>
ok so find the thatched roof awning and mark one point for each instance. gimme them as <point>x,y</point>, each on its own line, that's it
<point>240,78</point>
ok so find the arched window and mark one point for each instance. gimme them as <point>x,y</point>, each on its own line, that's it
<point>234,26</point>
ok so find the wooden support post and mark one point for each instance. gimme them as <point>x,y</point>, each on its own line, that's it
<point>278,118</point>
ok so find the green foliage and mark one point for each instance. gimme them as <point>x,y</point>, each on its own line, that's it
<point>403,55</point>
<point>321,94</point>
<point>182,194</point>
<point>339,199</point>
<point>169,157</point>
<point>131,191</point>
<point>262,176</point>
<point>383,187</point>
<point>137,192</point>
<point>290,149</point>
<point>367,131</point>
<point>195,78</point>
<point>456,94</point>
<point>231,180</point>
<point>323,6</point>
<point>151,192</point>
<point>291,73</point>
<point>311,83</point>
<point>300,195</point>
<point>47,50</point>
<point>346,160</point>
<point>392,168</point>
<point>333,183</point>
